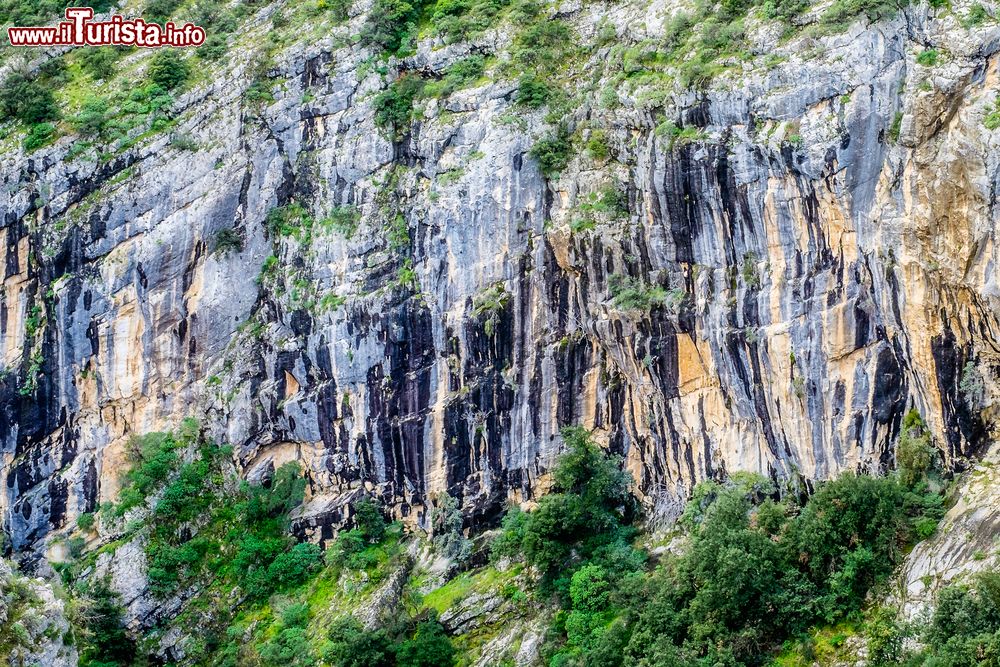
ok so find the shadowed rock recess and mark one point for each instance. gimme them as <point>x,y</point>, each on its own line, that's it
<point>763,270</point>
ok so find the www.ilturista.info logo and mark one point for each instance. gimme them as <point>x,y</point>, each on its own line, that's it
<point>80,30</point>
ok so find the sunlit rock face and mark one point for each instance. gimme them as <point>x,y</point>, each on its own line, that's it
<point>813,256</point>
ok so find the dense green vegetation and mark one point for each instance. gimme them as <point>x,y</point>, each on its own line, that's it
<point>757,568</point>
<point>756,575</point>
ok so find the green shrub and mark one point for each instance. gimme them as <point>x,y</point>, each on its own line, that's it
<point>394,106</point>
<point>628,293</point>
<point>369,519</point>
<point>553,152</point>
<point>842,13</point>
<point>977,16</point>
<point>532,91</point>
<point>105,642</point>
<point>597,145</point>
<point>462,19</point>
<point>27,100</point>
<point>429,647</point>
<point>167,69</point>
<point>391,25</point>
<point>39,135</point>
<point>461,74</point>
<point>228,240</point>
<point>93,118</point>
<point>343,220</point>
<point>584,516</point>
<point>915,455</point>
<point>99,61</point>
<point>213,48</point>
<point>350,645</point>
<point>894,129</point>
<point>927,57</point>
<point>290,220</point>
<point>159,11</point>
<point>85,521</point>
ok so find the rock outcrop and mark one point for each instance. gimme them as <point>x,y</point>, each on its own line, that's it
<point>33,625</point>
<point>820,243</point>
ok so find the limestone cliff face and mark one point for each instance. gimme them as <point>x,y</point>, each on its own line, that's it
<point>826,242</point>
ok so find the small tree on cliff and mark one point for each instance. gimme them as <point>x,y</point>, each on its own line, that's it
<point>915,454</point>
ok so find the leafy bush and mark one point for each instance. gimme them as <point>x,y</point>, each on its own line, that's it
<point>343,220</point>
<point>228,240</point>
<point>350,645</point>
<point>425,645</point>
<point>105,643</point>
<point>391,25</point>
<point>167,69</point>
<point>39,135</point>
<point>553,152</point>
<point>756,570</point>
<point>586,515</point>
<point>915,455</point>
<point>394,106</point>
<point>85,521</point>
<point>159,11</point>
<point>369,519</point>
<point>927,57</point>
<point>27,100</point>
<point>965,626</point>
<point>628,293</point>
<point>99,61</point>
<point>462,19</point>
<point>93,117</point>
<point>213,48</point>
<point>429,647</point>
<point>532,91</point>
<point>459,75</point>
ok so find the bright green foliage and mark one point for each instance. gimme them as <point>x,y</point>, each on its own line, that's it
<point>394,105</point>
<point>167,69</point>
<point>842,13</point>
<point>369,519</point>
<point>93,118</point>
<point>628,293</point>
<point>885,637</point>
<point>40,12</point>
<point>402,644</point>
<point>198,531</point>
<point>489,306</point>
<point>85,521</point>
<point>39,135</point>
<point>290,646</point>
<point>99,61</point>
<point>597,145</point>
<point>461,74</point>
<point>756,571</point>
<point>586,516</point>
<point>343,220</point>
<point>927,58</point>
<point>553,152</point>
<point>429,647</point>
<point>290,220</point>
<point>915,455</point>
